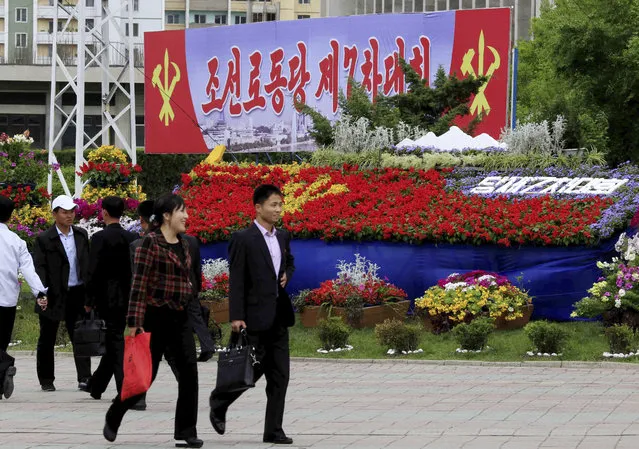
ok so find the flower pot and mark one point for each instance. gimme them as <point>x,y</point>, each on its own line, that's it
<point>502,324</point>
<point>372,315</point>
<point>219,309</point>
<point>438,325</point>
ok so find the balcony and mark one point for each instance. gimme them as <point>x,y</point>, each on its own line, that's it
<point>67,37</point>
<point>117,56</point>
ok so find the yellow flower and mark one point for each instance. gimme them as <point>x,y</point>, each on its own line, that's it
<point>107,153</point>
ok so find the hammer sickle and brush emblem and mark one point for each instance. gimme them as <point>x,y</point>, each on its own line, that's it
<point>480,103</point>
<point>166,89</point>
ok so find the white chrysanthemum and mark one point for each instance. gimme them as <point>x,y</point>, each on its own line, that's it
<point>618,303</point>
<point>622,293</point>
<point>455,285</point>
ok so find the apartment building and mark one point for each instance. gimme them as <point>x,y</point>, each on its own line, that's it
<point>180,14</point>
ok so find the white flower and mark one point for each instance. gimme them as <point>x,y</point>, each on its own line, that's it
<point>635,276</point>
<point>486,277</point>
<point>622,292</point>
<point>358,272</point>
<point>510,309</point>
<point>214,267</point>
<point>618,303</point>
<point>455,285</point>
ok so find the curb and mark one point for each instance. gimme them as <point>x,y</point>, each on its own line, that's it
<point>567,364</point>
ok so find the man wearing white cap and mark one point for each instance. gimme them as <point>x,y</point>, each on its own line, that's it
<point>61,258</point>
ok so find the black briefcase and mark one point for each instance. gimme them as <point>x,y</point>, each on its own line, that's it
<point>89,337</point>
<point>235,365</point>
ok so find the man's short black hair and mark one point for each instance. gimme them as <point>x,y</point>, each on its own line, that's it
<point>145,210</point>
<point>114,205</point>
<point>6,208</point>
<point>263,192</point>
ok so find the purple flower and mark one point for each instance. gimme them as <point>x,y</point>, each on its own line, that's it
<point>607,294</point>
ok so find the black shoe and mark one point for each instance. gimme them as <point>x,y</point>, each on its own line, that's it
<point>7,385</point>
<point>109,433</point>
<point>48,387</point>
<point>218,419</point>
<point>85,385</point>
<point>190,442</point>
<point>139,406</point>
<point>96,396</point>
<point>283,439</point>
<point>205,356</point>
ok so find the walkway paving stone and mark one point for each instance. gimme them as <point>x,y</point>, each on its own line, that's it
<point>356,404</point>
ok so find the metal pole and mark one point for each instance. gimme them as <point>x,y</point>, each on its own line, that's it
<point>79,119</point>
<point>132,137</point>
<point>228,12</point>
<point>54,52</point>
<point>104,59</point>
<point>513,107</point>
<point>249,11</point>
<point>187,13</point>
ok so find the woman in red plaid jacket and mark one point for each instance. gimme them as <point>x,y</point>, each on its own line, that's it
<point>160,292</point>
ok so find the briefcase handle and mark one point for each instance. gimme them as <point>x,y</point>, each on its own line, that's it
<point>239,340</point>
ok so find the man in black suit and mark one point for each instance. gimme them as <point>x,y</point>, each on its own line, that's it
<point>108,289</point>
<point>61,259</point>
<point>261,264</point>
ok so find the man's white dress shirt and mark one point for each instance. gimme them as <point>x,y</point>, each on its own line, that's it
<point>68,241</point>
<point>14,256</point>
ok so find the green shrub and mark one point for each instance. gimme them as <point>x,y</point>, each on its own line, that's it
<point>473,336</point>
<point>397,335</point>
<point>546,337</point>
<point>333,333</point>
<point>620,339</point>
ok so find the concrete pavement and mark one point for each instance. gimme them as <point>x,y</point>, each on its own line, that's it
<point>340,404</point>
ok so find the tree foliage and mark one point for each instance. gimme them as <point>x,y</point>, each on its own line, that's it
<point>583,64</point>
<point>432,108</point>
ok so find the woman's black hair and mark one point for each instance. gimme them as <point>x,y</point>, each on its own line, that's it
<point>165,204</point>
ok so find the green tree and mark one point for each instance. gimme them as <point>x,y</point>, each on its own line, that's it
<point>433,108</point>
<point>583,63</point>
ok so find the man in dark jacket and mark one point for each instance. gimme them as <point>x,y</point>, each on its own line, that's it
<point>61,258</point>
<point>108,289</point>
<point>261,265</point>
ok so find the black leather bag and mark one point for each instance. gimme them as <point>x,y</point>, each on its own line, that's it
<point>235,365</point>
<point>89,337</point>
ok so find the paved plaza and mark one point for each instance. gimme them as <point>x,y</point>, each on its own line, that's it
<point>339,404</point>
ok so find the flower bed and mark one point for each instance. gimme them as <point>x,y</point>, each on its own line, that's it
<point>460,298</point>
<point>385,204</point>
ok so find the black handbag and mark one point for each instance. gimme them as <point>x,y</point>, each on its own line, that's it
<point>89,337</point>
<point>235,365</point>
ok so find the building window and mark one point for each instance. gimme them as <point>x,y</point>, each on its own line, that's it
<point>136,29</point>
<point>220,19</point>
<point>90,3</point>
<point>50,26</point>
<point>90,24</point>
<point>21,40</point>
<point>136,5</point>
<point>199,18</point>
<point>303,16</point>
<point>21,15</point>
<point>173,18</point>
<point>240,19</point>
<point>304,2</point>
<point>271,17</point>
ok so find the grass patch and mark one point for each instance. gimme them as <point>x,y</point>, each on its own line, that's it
<point>587,342</point>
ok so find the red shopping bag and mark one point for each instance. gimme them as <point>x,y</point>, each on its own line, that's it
<point>138,367</point>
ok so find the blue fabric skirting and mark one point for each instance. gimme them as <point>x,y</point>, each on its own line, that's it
<point>556,277</point>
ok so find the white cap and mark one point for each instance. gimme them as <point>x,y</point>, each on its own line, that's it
<point>63,201</point>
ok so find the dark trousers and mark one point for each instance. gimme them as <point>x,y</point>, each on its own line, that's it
<point>200,327</point>
<point>272,351</point>
<point>111,362</point>
<point>7,319</point>
<point>170,331</point>
<point>74,311</point>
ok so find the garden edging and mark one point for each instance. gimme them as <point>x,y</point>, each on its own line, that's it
<point>533,364</point>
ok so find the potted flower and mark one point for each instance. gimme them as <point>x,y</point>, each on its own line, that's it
<point>358,294</point>
<point>15,145</point>
<point>107,166</point>
<point>460,298</point>
<point>215,288</point>
<point>615,295</point>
